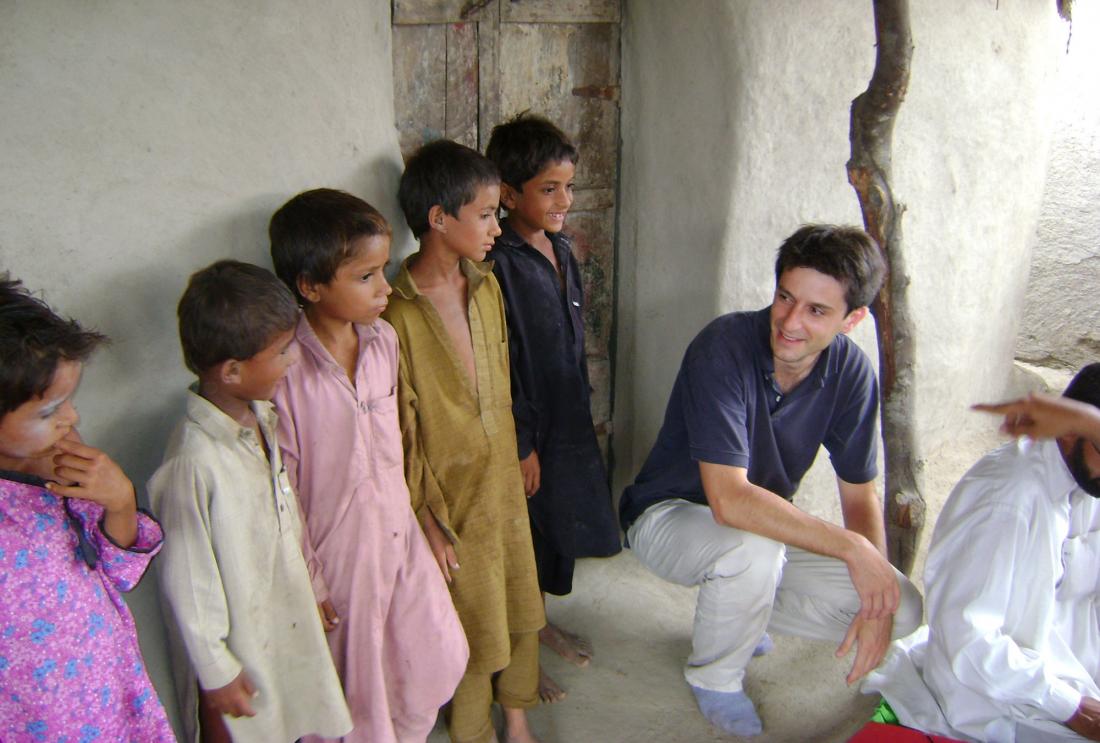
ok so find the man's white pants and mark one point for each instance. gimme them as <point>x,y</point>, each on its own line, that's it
<point>749,584</point>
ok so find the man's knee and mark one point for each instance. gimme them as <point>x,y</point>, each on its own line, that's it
<point>754,565</point>
<point>910,611</point>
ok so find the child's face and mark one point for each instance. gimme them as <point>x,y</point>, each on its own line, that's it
<point>261,374</point>
<point>544,200</point>
<point>359,291</point>
<point>31,430</point>
<point>472,233</point>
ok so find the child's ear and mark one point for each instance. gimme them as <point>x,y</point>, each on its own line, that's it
<point>508,196</point>
<point>229,371</point>
<point>308,290</point>
<point>435,218</point>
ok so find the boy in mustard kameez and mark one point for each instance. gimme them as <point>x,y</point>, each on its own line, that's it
<point>461,460</point>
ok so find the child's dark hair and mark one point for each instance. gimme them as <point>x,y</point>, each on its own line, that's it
<point>33,341</point>
<point>232,310</point>
<point>848,254</point>
<point>312,234</point>
<point>442,173</point>
<point>524,145</point>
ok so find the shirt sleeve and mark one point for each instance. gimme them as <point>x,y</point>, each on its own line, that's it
<point>123,566</point>
<point>852,438</point>
<point>286,402</point>
<point>714,405</point>
<point>190,579</point>
<point>968,608</point>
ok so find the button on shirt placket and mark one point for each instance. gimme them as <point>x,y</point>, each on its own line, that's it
<point>272,468</point>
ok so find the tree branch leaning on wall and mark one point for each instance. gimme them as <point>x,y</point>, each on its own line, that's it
<point>871,136</point>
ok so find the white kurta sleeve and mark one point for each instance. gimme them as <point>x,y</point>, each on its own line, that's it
<point>990,598</point>
<point>189,575</point>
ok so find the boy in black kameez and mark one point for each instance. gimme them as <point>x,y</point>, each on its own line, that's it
<point>563,471</point>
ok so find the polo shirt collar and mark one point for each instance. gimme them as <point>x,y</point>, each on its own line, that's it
<point>210,418</point>
<point>405,287</point>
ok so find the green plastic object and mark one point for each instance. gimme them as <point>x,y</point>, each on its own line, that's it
<point>884,714</point>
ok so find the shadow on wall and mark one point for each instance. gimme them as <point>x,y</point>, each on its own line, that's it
<point>140,313</point>
<point>678,171</point>
<point>388,170</point>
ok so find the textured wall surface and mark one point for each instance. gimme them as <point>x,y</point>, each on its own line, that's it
<point>735,131</point>
<point>143,140</point>
<point>1061,324</point>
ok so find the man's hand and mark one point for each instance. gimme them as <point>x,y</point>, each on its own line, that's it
<point>532,473</point>
<point>1042,416</point>
<point>873,579</point>
<point>329,617</point>
<point>441,546</point>
<point>84,472</point>
<point>1086,720</point>
<point>233,699</point>
<point>871,638</point>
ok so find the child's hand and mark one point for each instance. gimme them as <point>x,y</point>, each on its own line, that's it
<point>233,699</point>
<point>84,472</point>
<point>532,473</point>
<point>329,617</point>
<point>42,465</point>
<point>441,546</point>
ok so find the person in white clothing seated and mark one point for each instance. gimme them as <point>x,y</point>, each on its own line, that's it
<point>1011,652</point>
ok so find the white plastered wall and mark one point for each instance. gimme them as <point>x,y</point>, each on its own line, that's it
<point>735,131</point>
<point>144,139</point>
<point>1061,323</point>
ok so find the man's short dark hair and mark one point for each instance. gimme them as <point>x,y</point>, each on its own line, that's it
<point>312,234</point>
<point>442,173</point>
<point>1085,386</point>
<point>33,341</point>
<point>232,310</point>
<point>848,254</point>
<point>525,145</point>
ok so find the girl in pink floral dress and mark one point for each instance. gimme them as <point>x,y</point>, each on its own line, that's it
<point>71,540</point>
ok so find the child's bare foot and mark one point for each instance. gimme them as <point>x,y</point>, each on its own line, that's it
<point>574,649</point>
<point>516,729</point>
<point>549,691</point>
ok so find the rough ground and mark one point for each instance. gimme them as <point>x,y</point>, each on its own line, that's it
<point>633,692</point>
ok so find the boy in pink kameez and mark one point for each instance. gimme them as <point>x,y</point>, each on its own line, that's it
<point>396,640</point>
<point>71,541</point>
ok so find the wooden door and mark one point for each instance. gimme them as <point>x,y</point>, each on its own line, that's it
<point>463,66</point>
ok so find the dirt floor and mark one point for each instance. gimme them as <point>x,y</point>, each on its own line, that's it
<point>634,691</point>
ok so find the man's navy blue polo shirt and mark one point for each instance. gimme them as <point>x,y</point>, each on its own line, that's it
<point>725,408</point>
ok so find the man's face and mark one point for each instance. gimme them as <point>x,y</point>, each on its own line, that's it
<point>807,312</point>
<point>1083,460</point>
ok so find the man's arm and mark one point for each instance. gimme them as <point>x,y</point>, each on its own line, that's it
<point>862,512</point>
<point>736,502</point>
<point>1043,416</point>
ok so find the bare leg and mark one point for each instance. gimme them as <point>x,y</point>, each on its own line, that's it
<point>549,691</point>
<point>573,648</point>
<point>516,729</point>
